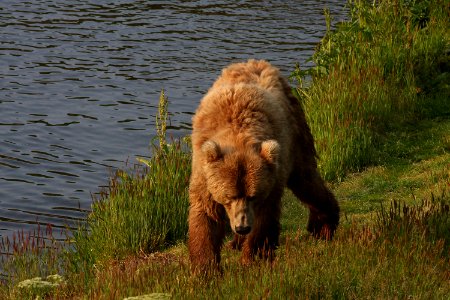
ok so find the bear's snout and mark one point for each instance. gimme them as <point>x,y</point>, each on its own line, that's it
<point>241,217</point>
<point>243,230</point>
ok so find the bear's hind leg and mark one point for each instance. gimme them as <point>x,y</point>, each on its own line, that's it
<point>311,189</point>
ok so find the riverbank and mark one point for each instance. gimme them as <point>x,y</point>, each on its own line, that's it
<point>375,106</point>
<point>393,240</point>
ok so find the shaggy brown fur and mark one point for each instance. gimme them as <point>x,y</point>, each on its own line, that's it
<point>250,140</point>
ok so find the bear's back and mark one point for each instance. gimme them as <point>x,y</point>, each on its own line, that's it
<point>246,102</point>
<point>257,72</point>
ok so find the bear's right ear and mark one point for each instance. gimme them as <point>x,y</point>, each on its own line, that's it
<point>211,150</point>
<point>270,151</point>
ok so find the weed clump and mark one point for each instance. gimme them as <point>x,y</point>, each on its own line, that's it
<point>429,220</point>
<point>139,213</point>
<point>38,287</point>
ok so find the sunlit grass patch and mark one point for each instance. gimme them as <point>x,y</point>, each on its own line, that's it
<point>145,211</point>
<point>402,254</point>
<point>371,73</point>
<point>404,174</point>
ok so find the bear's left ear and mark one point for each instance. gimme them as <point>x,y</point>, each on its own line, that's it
<point>270,150</point>
<point>211,150</point>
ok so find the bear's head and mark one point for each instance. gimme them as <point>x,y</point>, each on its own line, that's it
<point>240,179</point>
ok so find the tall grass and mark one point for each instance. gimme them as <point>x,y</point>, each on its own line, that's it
<point>430,220</point>
<point>36,251</point>
<point>141,212</point>
<point>147,210</point>
<point>375,261</point>
<point>371,71</point>
<point>27,255</point>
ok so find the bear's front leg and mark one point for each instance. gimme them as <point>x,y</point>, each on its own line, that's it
<point>237,242</point>
<point>262,241</point>
<point>205,241</point>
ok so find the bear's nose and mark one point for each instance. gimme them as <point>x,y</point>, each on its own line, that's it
<point>243,230</point>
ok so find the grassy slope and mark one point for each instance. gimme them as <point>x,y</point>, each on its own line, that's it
<point>414,163</point>
<point>368,259</point>
<point>363,261</point>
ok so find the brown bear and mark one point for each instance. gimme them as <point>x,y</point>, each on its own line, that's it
<point>250,140</point>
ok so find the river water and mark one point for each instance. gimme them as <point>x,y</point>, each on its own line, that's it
<point>80,80</point>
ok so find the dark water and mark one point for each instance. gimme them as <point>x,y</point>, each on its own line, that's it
<point>79,85</point>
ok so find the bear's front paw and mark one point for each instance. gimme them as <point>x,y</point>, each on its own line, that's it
<point>237,242</point>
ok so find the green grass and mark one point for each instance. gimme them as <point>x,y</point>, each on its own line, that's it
<point>375,68</point>
<point>143,212</point>
<point>413,163</point>
<point>394,246</point>
<point>378,103</point>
